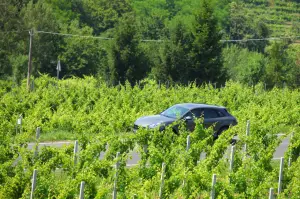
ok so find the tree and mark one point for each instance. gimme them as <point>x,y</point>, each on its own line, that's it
<point>46,47</point>
<point>127,61</point>
<point>13,40</point>
<point>279,66</point>
<point>175,62</point>
<point>206,48</point>
<point>243,65</point>
<point>80,55</point>
<point>152,15</point>
<point>11,36</point>
<point>102,15</point>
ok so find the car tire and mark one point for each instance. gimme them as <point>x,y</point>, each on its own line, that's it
<point>220,131</point>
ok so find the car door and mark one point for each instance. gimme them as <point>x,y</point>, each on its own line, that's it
<point>194,113</point>
<point>211,117</point>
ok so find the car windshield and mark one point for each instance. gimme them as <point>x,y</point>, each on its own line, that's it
<point>175,112</point>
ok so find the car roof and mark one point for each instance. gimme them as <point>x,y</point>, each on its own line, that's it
<point>195,105</point>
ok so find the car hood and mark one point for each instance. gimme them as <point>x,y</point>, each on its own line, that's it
<point>153,119</point>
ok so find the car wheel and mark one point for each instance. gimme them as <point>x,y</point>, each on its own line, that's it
<point>217,134</point>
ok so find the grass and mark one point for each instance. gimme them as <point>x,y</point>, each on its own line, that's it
<point>57,135</point>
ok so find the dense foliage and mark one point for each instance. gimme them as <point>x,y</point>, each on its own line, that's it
<point>176,40</point>
<point>100,116</point>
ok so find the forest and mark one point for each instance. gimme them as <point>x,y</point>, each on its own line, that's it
<point>248,41</point>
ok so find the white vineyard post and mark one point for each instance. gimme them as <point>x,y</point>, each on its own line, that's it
<point>214,180</point>
<point>37,136</point>
<point>19,124</point>
<point>145,148</point>
<point>232,158</point>
<point>81,193</point>
<point>33,184</point>
<point>265,86</point>
<point>188,143</point>
<point>38,132</point>
<point>58,68</point>
<point>162,179</point>
<point>116,176</point>
<point>202,157</point>
<point>32,85</point>
<point>290,158</point>
<point>75,152</point>
<point>289,162</point>
<point>271,193</point>
<point>280,175</point>
<point>247,134</point>
<point>134,196</point>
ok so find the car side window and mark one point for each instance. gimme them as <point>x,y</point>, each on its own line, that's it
<point>220,113</point>
<point>197,112</point>
<point>188,114</point>
<point>210,113</point>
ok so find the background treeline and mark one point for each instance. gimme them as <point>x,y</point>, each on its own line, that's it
<point>169,40</point>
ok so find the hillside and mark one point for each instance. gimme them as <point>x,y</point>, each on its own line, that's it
<point>282,17</point>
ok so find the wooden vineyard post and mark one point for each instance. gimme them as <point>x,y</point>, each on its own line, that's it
<point>33,184</point>
<point>81,193</point>
<point>162,180</point>
<point>116,176</point>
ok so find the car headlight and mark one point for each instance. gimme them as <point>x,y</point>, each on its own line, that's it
<point>154,125</point>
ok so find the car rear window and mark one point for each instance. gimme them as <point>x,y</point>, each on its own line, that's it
<point>226,112</point>
<point>210,113</point>
<point>220,113</point>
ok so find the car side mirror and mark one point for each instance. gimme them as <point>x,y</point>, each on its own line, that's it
<point>188,118</point>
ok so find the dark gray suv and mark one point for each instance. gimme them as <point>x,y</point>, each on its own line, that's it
<point>213,115</point>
